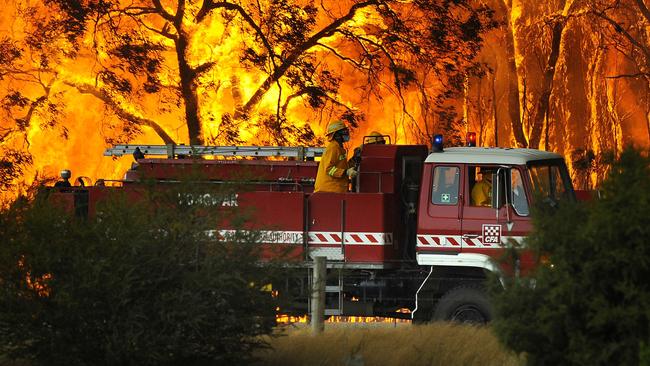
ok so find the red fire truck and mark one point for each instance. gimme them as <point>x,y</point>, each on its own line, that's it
<point>413,238</point>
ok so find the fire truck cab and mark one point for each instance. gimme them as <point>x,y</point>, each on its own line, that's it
<point>456,227</point>
<point>460,236</point>
<point>415,237</point>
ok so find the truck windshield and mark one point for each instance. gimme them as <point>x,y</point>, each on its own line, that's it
<point>550,181</point>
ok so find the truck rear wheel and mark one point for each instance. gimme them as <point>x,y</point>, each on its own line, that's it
<point>464,304</point>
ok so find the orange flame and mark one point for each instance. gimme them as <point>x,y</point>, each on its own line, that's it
<point>87,120</point>
<point>78,139</point>
<point>37,284</point>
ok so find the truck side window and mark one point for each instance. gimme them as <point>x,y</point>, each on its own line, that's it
<point>518,193</point>
<point>481,185</point>
<point>445,185</point>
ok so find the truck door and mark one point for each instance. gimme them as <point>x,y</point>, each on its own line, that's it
<point>480,230</point>
<point>518,222</point>
<point>439,221</point>
<point>484,227</point>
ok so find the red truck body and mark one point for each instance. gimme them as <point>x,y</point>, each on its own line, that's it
<point>396,241</point>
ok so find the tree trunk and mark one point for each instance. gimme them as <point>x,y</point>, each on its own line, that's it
<point>466,108</point>
<point>188,91</point>
<point>514,109</point>
<point>541,108</point>
<point>494,108</point>
<point>647,107</point>
<point>237,98</point>
<point>479,109</point>
<point>647,122</point>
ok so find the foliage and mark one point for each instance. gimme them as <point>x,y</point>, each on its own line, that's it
<point>12,163</point>
<point>142,282</point>
<point>588,302</point>
<point>586,163</point>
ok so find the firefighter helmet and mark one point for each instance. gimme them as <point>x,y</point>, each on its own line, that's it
<point>375,137</point>
<point>335,126</point>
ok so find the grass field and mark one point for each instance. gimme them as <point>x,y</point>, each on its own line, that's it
<point>441,344</point>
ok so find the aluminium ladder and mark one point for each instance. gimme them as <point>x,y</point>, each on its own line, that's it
<point>172,151</point>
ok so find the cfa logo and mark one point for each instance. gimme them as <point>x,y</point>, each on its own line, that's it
<point>491,234</point>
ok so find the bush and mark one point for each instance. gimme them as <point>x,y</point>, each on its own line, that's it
<point>142,282</point>
<point>589,304</point>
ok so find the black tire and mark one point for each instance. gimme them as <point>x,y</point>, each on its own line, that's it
<point>467,304</point>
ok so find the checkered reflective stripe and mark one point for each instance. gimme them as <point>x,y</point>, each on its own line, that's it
<point>456,241</point>
<point>314,237</point>
<point>351,238</point>
<point>438,241</point>
<point>475,242</point>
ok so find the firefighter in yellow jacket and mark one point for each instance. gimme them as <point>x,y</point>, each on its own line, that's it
<point>333,171</point>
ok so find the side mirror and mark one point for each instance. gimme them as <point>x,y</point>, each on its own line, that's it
<point>498,196</point>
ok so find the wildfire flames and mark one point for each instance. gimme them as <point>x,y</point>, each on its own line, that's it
<point>287,319</point>
<point>569,76</point>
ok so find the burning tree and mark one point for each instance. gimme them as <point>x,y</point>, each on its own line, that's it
<point>568,76</point>
<point>234,71</point>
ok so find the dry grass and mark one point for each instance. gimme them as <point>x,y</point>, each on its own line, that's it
<point>348,344</point>
<point>435,344</point>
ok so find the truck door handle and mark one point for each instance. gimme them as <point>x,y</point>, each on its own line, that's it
<point>470,236</point>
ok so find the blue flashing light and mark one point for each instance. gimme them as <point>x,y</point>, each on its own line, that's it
<point>436,146</point>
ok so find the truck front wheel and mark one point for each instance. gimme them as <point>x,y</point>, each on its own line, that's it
<point>464,304</point>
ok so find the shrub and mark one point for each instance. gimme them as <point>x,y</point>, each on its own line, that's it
<point>141,282</point>
<point>589,304</point>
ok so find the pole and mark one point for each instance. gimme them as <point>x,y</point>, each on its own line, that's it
<point>318,296</point>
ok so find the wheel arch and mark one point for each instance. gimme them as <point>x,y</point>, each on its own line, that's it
<point>464,260</point>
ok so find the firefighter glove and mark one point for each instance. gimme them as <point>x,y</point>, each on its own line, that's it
<point>351,172</point>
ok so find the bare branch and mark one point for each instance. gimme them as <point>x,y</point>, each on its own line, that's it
<point>293,56</point>
<point>180,13</point>
<point>336,53</point>
<point>617,27</point>
<point>644,9</point>
<point>25,121</point>
<point>163,32</point>
<point>393,65</point>
<point>28,75</point>
<point>209,5</point>
<point>202,68</point>
<point>7,133</point>
<point>161,10</point>
<point>633,76</point>
<point>302,92</point>
<point>121,111</point>
<point>139,10</point>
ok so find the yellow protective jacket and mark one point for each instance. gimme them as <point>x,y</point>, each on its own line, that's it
<point>331,175</point>
<point>482,194</point>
